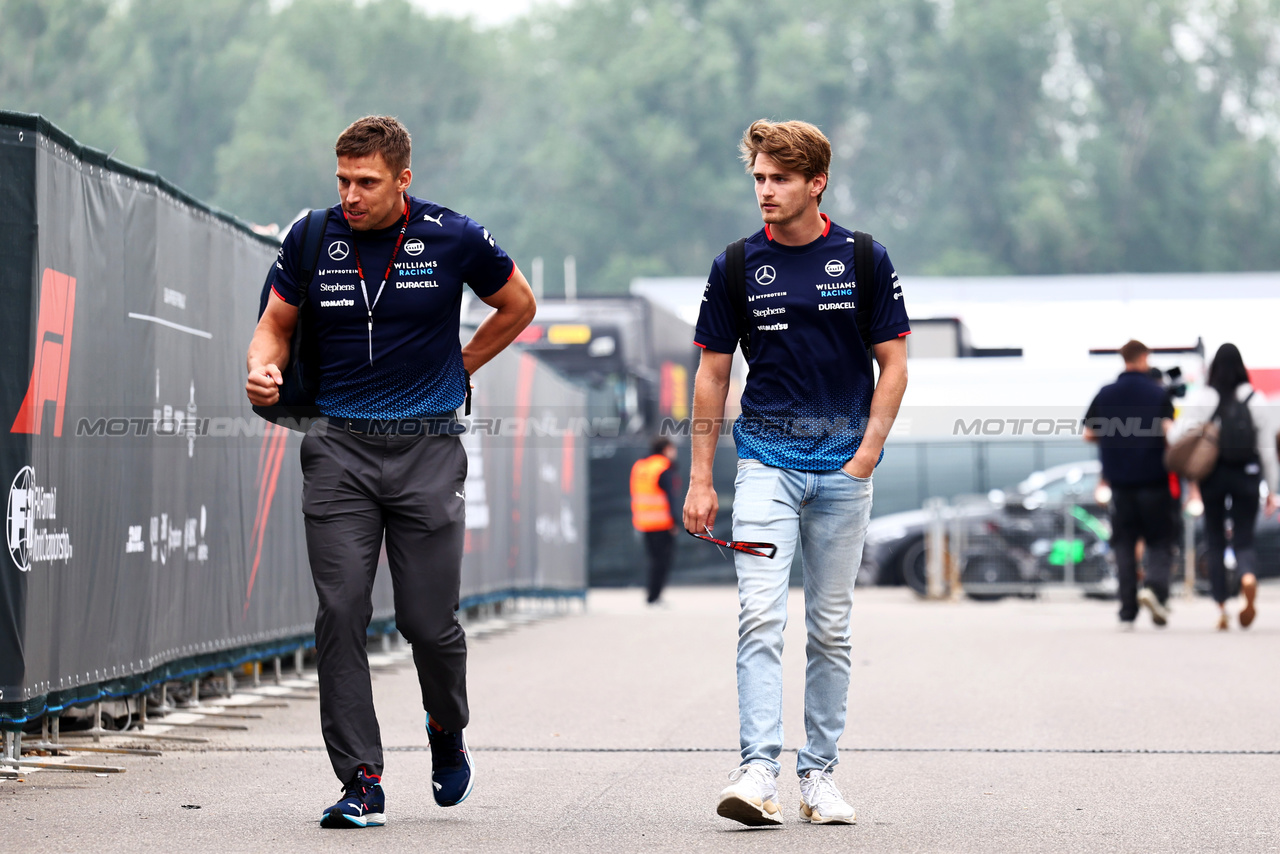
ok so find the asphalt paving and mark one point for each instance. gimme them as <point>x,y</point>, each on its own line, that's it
<point>987,727</point>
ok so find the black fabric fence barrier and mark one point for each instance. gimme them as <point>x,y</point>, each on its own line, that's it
<point>153,522</point>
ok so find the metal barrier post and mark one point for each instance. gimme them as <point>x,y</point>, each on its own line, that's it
<point>935,545</point>
<point>164,708</point>
<point>1069,534</point>
<point>1188,555</point>
<point>50,740</point>
<point>297,661</point>
<point>957,545</point>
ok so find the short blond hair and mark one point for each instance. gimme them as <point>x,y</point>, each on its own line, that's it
<point>798,146</point>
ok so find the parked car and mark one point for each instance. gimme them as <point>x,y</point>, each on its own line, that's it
<point>1015,539</point>
<point>1052,530</point>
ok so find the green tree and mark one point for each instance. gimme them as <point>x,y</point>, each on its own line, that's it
<point>54,60</point>
<point>189,65</point>
<point>1005,136</point>
<point>329,62</point>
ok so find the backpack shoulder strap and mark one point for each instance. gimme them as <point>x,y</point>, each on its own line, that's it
<point>1224,400</point>
<point>303,347</point>
<point>735,285</point>
<point>863,273</point>
<point>312,239</point>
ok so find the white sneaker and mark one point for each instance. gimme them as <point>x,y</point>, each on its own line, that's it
<point>1148,600</point>
<point>753,797</point>
<point>820,800</point>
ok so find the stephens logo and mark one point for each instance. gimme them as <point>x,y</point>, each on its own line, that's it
<point>29,504</point>
<point>414,247</point>
<point>339,250</point>
<point>834,267</point>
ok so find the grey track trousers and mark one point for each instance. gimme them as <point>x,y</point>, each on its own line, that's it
<point>355,488</point>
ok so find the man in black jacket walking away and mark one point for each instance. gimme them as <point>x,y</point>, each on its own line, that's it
<point>1128,420</point>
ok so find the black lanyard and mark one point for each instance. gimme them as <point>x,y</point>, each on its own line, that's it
<point>404,225</point>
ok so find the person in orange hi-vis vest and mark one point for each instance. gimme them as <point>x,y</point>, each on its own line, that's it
<point>653,491</point>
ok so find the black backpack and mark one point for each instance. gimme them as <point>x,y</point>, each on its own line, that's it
<point>297,405</point>
<point>1237,435</point>
<point>735,271</point>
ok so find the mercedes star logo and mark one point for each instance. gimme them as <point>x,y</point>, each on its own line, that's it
<point>765,275</point>
<point>338,250</point>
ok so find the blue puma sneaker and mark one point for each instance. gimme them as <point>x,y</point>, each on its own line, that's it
<point>363,805</point>
<point>452,774</point>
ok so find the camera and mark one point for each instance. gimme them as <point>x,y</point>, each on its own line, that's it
<point>1171,380</point>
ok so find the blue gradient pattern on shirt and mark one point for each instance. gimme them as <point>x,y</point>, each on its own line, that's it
<point>808,392</point>
<point>417,366</point>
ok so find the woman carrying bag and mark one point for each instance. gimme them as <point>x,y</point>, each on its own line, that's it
<point>1246,453</point>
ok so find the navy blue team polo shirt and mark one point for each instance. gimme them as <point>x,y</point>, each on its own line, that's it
<point>417,369</point>
<point>809,388</point>
<point>1127,416</point>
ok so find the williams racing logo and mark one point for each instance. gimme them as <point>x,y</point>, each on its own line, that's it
<point>31,540</point>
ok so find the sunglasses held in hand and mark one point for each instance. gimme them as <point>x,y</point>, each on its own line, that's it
<point>757,549</point>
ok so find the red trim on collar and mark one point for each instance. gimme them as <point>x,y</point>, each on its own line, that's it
<point>826,227</point>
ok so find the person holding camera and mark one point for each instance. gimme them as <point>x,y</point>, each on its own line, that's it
<point>1128,420</point>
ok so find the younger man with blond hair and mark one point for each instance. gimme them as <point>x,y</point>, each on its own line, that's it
<point>813,426</point>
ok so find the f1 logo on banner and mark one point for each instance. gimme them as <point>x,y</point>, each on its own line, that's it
<point>53,354</point>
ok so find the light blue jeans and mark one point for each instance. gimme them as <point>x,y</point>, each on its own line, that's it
<point>825,515</point>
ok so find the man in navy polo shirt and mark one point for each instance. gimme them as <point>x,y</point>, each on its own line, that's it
<point>385,301</point>
<point>813,427</point>
<point>1129,419</point>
